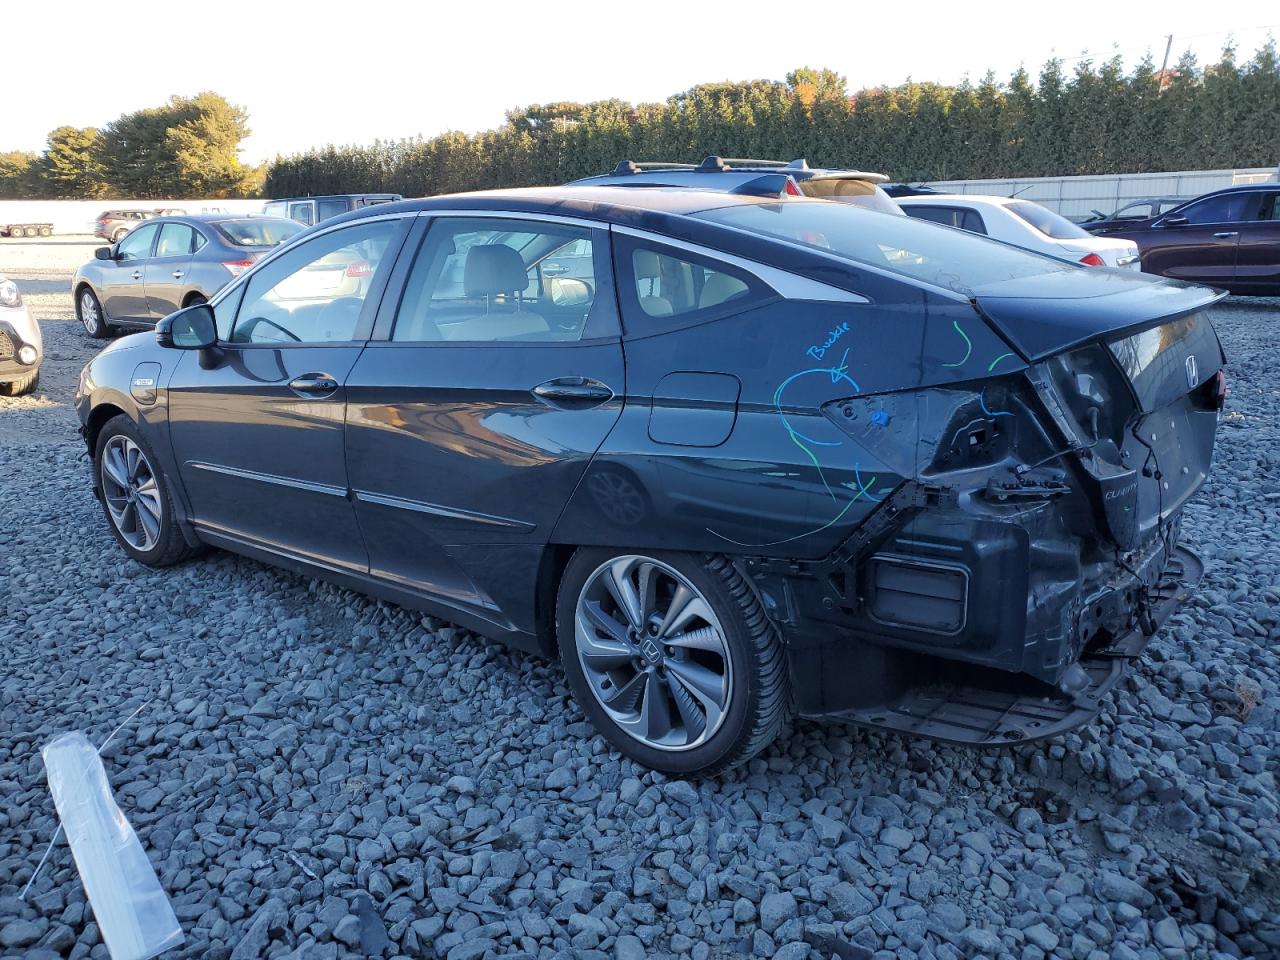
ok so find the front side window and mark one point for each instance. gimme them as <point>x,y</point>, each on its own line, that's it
<point>1270,207</point>
<point>176,240</point>
<point>1224,208</point>
<point>137,245</point>
<point>316,292</point>
<point>486,280</point>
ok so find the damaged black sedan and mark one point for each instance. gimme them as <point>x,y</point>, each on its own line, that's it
<point>725,456</point>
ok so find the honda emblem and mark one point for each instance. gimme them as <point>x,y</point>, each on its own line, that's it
<point>1193,373</point>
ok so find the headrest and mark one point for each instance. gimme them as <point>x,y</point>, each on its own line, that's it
<point>491,269</point>
<point>646,265</point>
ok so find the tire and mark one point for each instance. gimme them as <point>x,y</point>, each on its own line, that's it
<point>17,232</point>
<point>729,695</point>
<point>46,231</point>
<point>16,388</point>
<point>134,488</point>
<point>89,313</point>
<point>119,234</point>
<point>196,298</point>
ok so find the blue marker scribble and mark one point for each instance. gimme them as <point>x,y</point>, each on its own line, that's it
<point>982,402</point>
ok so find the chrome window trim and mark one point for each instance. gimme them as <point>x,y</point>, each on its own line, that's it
<point>790,286</point>
<point>519,215</point>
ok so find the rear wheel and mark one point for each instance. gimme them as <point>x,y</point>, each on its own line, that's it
<point>46,231</point>
<point>17,232</point>
<point>672,658</point>
<point>195,299</point>
<point>89,311</point>
<point>136,498</point>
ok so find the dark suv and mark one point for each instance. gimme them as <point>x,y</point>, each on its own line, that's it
<point>725,455</point>
<point>312,210</point>
<point>762,178</point>
<point>1229,238</point>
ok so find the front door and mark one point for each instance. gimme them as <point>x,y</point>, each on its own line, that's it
<point>258,436</point>
<point>165,273</point>
<point>474,412</point>
<point>124,289</point>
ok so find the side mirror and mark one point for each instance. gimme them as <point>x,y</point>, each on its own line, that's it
<point>1177,220</point>
<point>193,328</point>
<point>103,253</point>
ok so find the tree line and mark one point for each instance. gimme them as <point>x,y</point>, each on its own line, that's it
<point>186,147</point>
<point>1093,118</point>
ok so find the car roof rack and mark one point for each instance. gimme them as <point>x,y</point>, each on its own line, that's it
<point>710,164</point>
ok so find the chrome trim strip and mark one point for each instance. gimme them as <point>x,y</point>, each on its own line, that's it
<point>518,215</point>
<point>435,509</point>
<point>271,478</point>
<point>789,285</point>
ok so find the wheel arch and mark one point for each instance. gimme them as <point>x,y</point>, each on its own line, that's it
<point>550,572</point>
<point>98,418</point>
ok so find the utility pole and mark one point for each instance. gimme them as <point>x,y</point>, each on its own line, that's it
<point>1165,63</point>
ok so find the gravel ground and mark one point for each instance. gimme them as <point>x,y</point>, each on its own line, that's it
<point>317,774</point>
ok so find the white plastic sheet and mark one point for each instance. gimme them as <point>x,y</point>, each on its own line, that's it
<point>133,913</point>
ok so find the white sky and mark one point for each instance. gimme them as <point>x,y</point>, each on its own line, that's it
<point>353,71</point>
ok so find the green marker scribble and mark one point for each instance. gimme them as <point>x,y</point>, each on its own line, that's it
<point>967,343</point>
<point>1003,356</point>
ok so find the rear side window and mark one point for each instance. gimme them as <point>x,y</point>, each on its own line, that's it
<point>664,287</point>
<point>961,218</point>
<point>330,208</point>
<point>1046,221</point>
<point>176,240</point>
<point>303,212</point>
<point>485,280</point>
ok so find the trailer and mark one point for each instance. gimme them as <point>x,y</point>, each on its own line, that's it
<point>26,229</point>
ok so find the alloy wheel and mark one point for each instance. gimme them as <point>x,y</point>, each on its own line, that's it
<point>653,653</point>
<point>131,493</point>
<point>90,316</point>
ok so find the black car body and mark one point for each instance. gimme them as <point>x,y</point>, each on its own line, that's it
<point>922,480</point>
<point>170,262</point>
<point>313,210</point>
<point>1228,238</point>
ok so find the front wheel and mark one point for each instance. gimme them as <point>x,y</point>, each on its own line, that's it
<point>136,498</point>
<point>672,658</point>
<point>89,310</point>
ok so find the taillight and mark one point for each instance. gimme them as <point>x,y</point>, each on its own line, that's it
<point>237,267</point>
<point>1218,390</point>
<point>791,190</point>
<point>359,268</point>
<point>1093,260</point>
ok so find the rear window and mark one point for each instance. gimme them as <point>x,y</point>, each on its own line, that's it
<point>261,232</point>
<point>1046,221</point>
<point>953,259</point>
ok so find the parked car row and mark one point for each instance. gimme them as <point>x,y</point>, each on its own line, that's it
<point>726,449</point>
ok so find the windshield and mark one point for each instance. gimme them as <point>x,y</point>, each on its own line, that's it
<point>259,232</point>
<point>1046,221</point>
<point>914,248</point>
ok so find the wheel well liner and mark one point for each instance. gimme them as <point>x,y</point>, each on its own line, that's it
<point>98,418</point>
<point>550,571</point>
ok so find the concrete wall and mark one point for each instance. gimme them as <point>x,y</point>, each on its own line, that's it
<point>77,216</point>
<point>1078,196</point>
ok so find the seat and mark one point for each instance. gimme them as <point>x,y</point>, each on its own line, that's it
<point>720,288</point>
<point>493,270</point>
<point>648,267</point>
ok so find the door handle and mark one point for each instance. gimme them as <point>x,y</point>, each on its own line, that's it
<point>1226,233</point>
<point>137,274</point>
<point>573,391</point>
<point>315,385</point>
<point>177,274</point>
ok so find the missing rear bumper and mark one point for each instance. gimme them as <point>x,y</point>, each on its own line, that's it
<point>991,708</point>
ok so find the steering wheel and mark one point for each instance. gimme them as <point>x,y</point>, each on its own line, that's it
<point>252,325</point>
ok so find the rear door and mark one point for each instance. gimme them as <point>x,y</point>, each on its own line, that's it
<point>165,273</point>
<point>473,413</point>
<point>124,291</point>
<point>1201,249</point>
<point>1258,252</point>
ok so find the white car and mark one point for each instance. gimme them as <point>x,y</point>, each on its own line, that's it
<point>20,343</point>
<point>1025,224</point>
